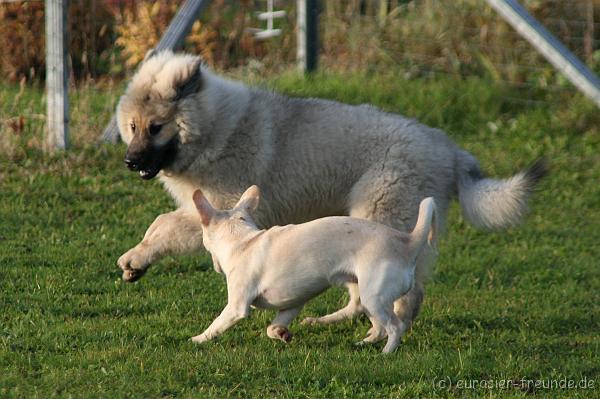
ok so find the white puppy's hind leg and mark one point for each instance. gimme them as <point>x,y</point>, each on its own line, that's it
<point>383,315</point>
<point>395,330</point>
<point>376,333</point>
<point>377,293</point>
<point>353,309</point>
<point>279,326</point>
<point>396,206</point>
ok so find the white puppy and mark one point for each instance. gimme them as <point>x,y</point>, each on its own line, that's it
<point>283,267</point>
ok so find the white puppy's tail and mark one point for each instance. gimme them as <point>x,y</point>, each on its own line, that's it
<point>495,203</point>
<point>426,229</point>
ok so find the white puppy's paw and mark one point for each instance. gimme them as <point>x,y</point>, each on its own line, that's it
<point>136,258</point>
<point>134,263</point>
<point>199,339</point>
<point>279,332</point>
<point>132,275</point>
<point>310,321</point>
<point>374,335</point>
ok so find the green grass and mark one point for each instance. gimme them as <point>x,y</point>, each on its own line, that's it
<point>503,305</point>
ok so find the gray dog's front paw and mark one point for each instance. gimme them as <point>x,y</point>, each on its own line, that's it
<point>134,264</point>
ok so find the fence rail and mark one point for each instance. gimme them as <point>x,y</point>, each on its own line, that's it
<point>550,47</point>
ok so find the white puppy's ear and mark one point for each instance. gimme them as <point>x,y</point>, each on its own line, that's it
<point>204,207</point>
<point>187,79</point>
<point>249,200</point>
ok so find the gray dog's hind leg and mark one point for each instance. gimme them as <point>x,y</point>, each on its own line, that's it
<point>407,307</point>
<point>177,232</point>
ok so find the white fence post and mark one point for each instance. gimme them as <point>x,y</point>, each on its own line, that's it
<point>550,47</point>
<point>57,95</point>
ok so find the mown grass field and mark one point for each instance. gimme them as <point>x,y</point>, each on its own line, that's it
<point>524,303</point>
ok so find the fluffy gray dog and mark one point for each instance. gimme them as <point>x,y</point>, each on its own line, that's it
<point>311,157</point>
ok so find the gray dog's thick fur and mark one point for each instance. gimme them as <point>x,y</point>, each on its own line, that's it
<point>311,157</point>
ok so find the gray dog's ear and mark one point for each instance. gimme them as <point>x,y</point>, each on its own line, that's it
<point>189,80</point>
<point>149,54</point>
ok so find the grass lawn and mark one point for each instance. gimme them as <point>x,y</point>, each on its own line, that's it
<point>523,303</point>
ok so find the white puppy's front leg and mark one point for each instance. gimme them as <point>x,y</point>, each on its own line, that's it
<point>228,317</point>
<point>279,326</point>
<point>174,232</point>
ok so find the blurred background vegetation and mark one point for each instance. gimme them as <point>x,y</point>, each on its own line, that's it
<point>454,40</point>
<point>108,38</point>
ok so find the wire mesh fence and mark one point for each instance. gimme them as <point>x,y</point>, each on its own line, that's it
<point>463,38</point>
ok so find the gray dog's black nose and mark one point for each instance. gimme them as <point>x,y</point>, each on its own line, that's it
<point>132,164</point>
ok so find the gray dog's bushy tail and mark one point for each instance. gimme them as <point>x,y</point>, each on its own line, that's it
<point>495,203</point>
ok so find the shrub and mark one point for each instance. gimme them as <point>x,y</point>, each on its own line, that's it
<point>219,36</point>
<point>21,40</point>
<point>22,37</point>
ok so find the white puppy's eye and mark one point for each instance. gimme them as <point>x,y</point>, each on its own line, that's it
<point>241,218</point>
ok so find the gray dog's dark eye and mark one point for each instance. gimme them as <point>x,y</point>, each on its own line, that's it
<point>154,129</point>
